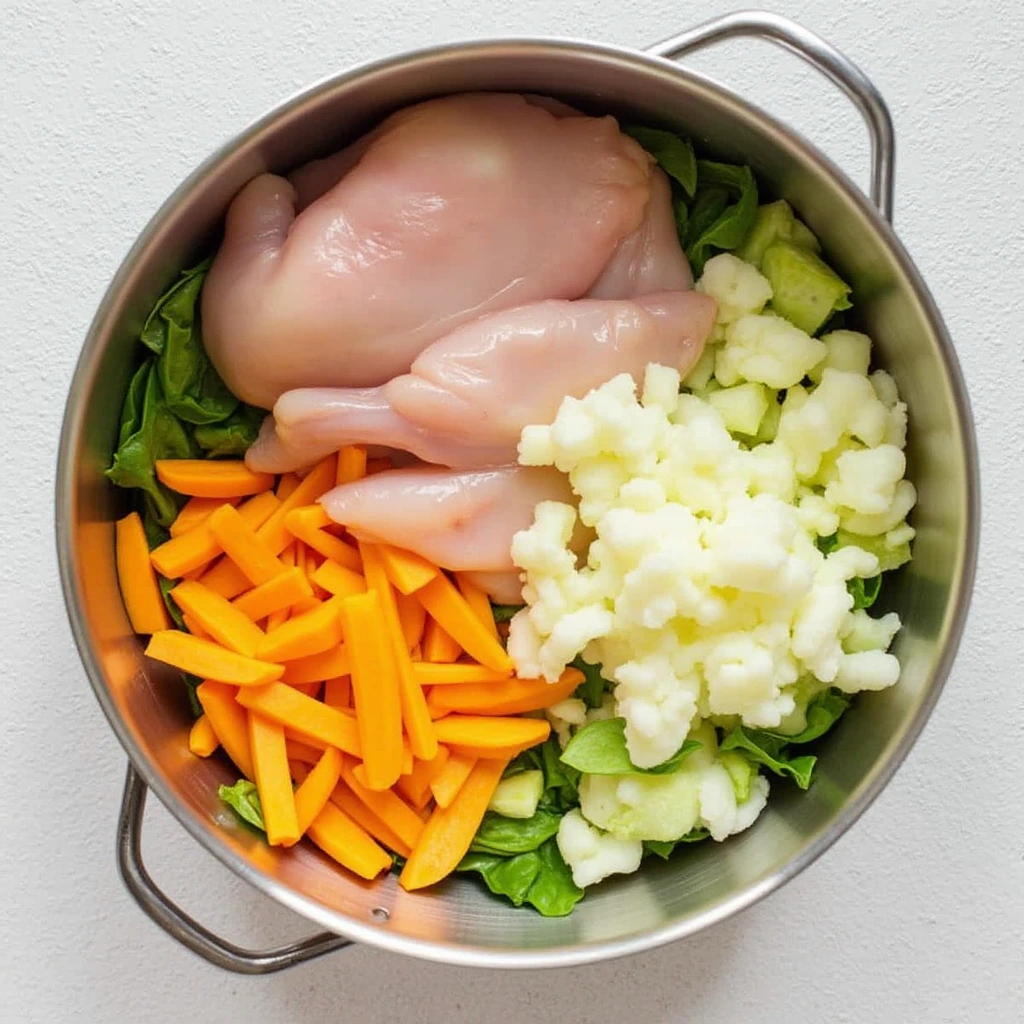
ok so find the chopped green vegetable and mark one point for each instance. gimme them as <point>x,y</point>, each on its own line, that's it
<point>507,837</point>
<point>805,290</point>
<point>716,221</point>
<point>823,711</point>
<point>591,690</point>
<point>231,437</point>
<point>741,772</point>
<point>674,154</point>
<point>766,749</point>
<point>518,795</point>
<point>599,748</point>
<point>775,222</point>
<point>505,612</point>
<point>664,850</point>
<point>244,800</point>
<point>889,557</point>
<point>865,592</point>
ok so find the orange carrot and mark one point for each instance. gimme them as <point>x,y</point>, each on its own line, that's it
<point>229,722</point>
<point>316,787</point>
<point>451,611</point>
<point>307,523</point>
<point>437,646</point>
<point>387,805</point>
<point>337,692</point>
<point>302,752</point>
<point>450,830</point>
<point>461,673</point>
<point>202,740</point>
<point>303,635</point>
<point>478,601</point>
<point>211,478</point>
<point>276,619</point>
<point>242,545</point>
<point>317,667</point>
<point>447,783</point>
<point>193,626</point>
<point>351,464</point>
<point>309,689</point>
<point>287,484</point>
<point>338,580</point>
<point>273,780</point>
<point>209,660</point>
<point>280,592</point>
<point>413,617</point>
<point>225,578</point>
<point>140,590</point>
<point>407,570</point>
<point>379,465</point>
<point>347,801</point>
<point>312,718</point>
<point>415,786</point>
<point>218,618</point>
<point>511,697</point>
<point>415,716</point>
<point>481,734</point>
<point>317,481</point>
<point>343,840</point>
<point>375,687</point>
<point>193,512</point>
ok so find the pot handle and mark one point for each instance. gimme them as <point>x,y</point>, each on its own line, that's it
<point>823,57</point>
<point>181,926</point>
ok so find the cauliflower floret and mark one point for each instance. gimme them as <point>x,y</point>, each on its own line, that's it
<point>904,499</point>
<point>592,855</point>
<point>817,515</point>
<point>720,814</point>
<point>767,349</point>
<point>747,674</point>
<point>543,548</point>
<point>867,670</point>
<point>737,286</point>
<point>661,388</point>
<point>861,632</point>
<point>564,715</point>
<point>536,447</point>
<point>662,807</point>
<point>866,479</point>
<point>844,350</point>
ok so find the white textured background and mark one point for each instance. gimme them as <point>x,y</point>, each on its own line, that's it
<point>916,915</point>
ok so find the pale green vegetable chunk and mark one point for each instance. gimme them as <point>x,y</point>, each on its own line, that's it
<point>805,290</point>
<point>518,796</point>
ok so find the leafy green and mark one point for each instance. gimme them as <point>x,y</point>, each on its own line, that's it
<point>823,711</point>
<point>243,799</point>
<point>599,748</point>
<point>230,437</point>
<point>674,154</point>
<point>591,690</point>
<point>191,683</point>
<point>505,612</point>
<point>664,850</point>
<point>865,592</point>
<point>539,878</point>
<point>723,211</point>
<point>826,545</point>
<point>166,586</point>
<point>768,749</point>
<point>509,836</point>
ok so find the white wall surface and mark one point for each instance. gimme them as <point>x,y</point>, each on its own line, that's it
<point>916,915</point>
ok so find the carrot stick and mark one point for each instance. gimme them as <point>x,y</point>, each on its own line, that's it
<point>484,733</point>
<point>375,687</point>
<point>225,578</point>
<point>218,618</point>
<point>211,478</point>
<point>317,667</point>
<point>510,697</point>
<point>447,783</point>
<point>202,740</point>
<point>437,645</point>
<point>243,546</point>
<point>229,722</point>
<point>378,465</point>
<point>280,592</point>
<point>415,716</point>
<point>193,626</point>
<point>307,523</point>
<point>317,481</point>
<point>193,512</point>
<point>337,691</point>
<point>413,617</point>
<point>388,806</point>
<point>450,830</point>
<point>478,601</point>
<point>302,752</point>
<point>316,788</point>
<point>287,484</point>
<point>303,635</point>
<point>457,673</point>
<point>277,619</point>
<point>351,464</point>
<point>338,580</point>
<point>407,570</point>
<point>315,720</point>
<point>309,689</point>
<point>451,611</point>
<point>140,590</point>
<point>347,801</point>
<point>209,660</point>
<point>343,840</point>
<point>273,780</point>
<point>415,786</point>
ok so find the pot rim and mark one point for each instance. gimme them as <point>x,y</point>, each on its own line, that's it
<point>448,952</point>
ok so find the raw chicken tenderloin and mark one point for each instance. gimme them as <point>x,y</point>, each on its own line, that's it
<point>455,208</point>
<point>469,395</point>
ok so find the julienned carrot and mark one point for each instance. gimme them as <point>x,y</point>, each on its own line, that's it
<point>351,464</point>
<point>447,783</point>
<point>276,619</point>
<point>511,697</point>
<point>388,806</point>
<point>209,660</point>
<point>225,578</point>
<point>437,647</point>
<point>307,523</point>
<point>477,600</point>
<point>415,786</point>
<point>450,830</point>
<point>343,840</point>
<point>338,580</point>
<point>193,512</point>
<point>407,570</point>
<point>273,780</point>
<point>413,617</point>
<point>194,626</point>
<point>375,687</point>
<point>242,545</point>
<point>312,632</point>
<point>460,673</point>
<point>302,752</point>
<point>211,478</point>
<point>218,617</point>
<point>481,733</point>
<point>139,587</point>
<point>317,667</point>
<point>202,740</point>
<point>312,718</point>
<point>286,485</point>
<point>337,691</point>
<point>229,722</point>
<point>408,760</point>
<point>348,802</point>
<point>317,481</point>
<point>451,611</point>
<point>316,788</point>
<point>280,592</point>
<point>415,716</point>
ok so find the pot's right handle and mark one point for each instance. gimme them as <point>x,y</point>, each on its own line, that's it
<point>820,55</point>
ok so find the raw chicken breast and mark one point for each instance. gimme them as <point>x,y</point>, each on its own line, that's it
<point>454,208</point>
<point>470,394</point>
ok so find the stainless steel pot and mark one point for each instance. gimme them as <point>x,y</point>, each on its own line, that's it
<point>460,923</point>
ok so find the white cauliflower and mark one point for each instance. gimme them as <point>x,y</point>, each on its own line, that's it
<point>767,349</point>
<point>737,286</point>
<point>593,855</point>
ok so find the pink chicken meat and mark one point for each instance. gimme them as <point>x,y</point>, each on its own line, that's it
<point>469,395</point>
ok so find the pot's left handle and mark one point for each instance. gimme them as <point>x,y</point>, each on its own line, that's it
<point>181,926</point>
